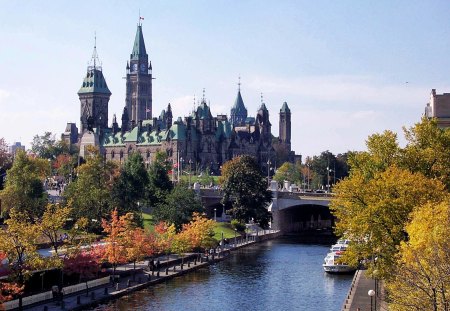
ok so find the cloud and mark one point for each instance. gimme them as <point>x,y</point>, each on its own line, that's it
<point>3,95</point>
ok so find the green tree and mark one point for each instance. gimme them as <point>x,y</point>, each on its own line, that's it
<point>24,188</point>
<point>5,161</point>
<point>178,206</point>
<point>288,171</point>
<point>373,213</point>
<point>428,150</point>
<point>47,147</point>
<point>159,183</point>
<point>90,193</point>
<point>244,185</point>
<point>129,188</point>
<point>421,281</point>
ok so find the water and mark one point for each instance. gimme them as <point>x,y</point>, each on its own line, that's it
<point>275,275</point>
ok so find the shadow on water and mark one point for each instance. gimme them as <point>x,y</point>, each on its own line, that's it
<point>281,274</point>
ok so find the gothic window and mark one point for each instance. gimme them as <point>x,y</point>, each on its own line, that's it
<point>112,154</point>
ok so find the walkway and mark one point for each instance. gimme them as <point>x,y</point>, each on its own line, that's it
<point>358,298</point>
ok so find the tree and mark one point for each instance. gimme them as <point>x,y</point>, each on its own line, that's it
<point>159,183</point>
<point>5,161</point>
<point>288,171</point>
<point>52,223</point>
<point>24,189</point>
<point>116,230</point>
<point>243,184</point>
<point>90,194</point>
<point>421,281</point>
<point>8,291</point>
<point>428,150</point>
<point>139,244</point>
<point>84,262</point>
<point>178,206</point>
<point>373,213</point>
<point>46,147</point>
<point>18,242</point>
<point>129,187</point>
<point>200,231</point>
<point>165,234</point>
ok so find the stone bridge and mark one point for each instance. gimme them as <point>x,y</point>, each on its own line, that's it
<point>292,212</point>
<point>300,211</point>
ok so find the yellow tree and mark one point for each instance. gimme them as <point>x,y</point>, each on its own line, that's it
<point>181,244</point>
<point>18,243</point>
<point>200,231</point>
<point>422,279</point>
<point>372,213</point>
<point>52,223</point>
<point>165,234</point>
<point>116,230</point>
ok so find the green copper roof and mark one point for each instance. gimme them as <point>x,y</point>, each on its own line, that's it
<point>139,45</point>
<point>94,82</point>
<point>178,131</point>
<point>285,108</point>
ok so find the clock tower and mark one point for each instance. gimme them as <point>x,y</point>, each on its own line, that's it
<point>138,99</point>
<point>94,97</point>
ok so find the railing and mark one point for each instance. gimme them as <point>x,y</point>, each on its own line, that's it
<point>29,300</point>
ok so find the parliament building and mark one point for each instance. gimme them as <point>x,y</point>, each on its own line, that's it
<point>199,141</point>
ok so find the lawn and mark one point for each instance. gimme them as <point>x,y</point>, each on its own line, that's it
<point>225,227</point>
<point>149,223</point>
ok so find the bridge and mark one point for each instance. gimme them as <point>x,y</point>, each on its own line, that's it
<point>292,212</point>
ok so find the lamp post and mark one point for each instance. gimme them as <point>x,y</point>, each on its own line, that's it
<point>371,293</point>
<point>215,214</point>
<point>180,168</point>
<point>268,173</point>
<point>235,234</point>
<point>190,170</point>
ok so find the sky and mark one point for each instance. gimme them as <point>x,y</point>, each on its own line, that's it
<point>347,69</point>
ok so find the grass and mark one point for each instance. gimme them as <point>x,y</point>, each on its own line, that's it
<point>149,223</point>
<point>225,227</point>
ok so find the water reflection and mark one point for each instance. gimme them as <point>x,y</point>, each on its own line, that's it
<point>275,275</point>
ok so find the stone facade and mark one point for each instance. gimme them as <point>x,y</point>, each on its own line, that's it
<point>197,142</point>
<point>439,108</point>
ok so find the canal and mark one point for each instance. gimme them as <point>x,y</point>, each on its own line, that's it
<point>281,274</point>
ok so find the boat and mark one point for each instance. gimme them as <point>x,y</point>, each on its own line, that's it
<point>332,265</point>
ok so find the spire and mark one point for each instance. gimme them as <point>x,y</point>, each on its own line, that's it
<point>285,108</point>
<point>139,45</point>
<point>95,61</point>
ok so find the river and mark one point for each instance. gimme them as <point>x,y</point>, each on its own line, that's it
<point>281,274</point>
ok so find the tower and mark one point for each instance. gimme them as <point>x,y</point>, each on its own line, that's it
<point>285,126</point>
<point>94,96</point>
<point>262,119</point>
<point>138,99</point>
<point>238,113</point>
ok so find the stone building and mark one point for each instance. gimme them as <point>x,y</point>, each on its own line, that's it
<point>200,141</point>
<point>439,108</point>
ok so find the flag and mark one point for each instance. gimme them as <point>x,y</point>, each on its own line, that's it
<point>175,165</point>
<point>140,17</point>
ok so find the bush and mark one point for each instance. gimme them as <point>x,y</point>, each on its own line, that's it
<point>239,226</point>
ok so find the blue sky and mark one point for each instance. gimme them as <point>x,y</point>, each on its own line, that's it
<point>347,69</point>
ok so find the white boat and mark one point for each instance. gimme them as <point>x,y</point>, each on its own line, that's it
<point>331,264</point>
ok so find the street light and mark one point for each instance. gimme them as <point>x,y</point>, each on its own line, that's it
<point>215,214</point>
<point>235,234</point>
<point>190,170</point>
<point>268,173</point>
<point>371,293</point>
